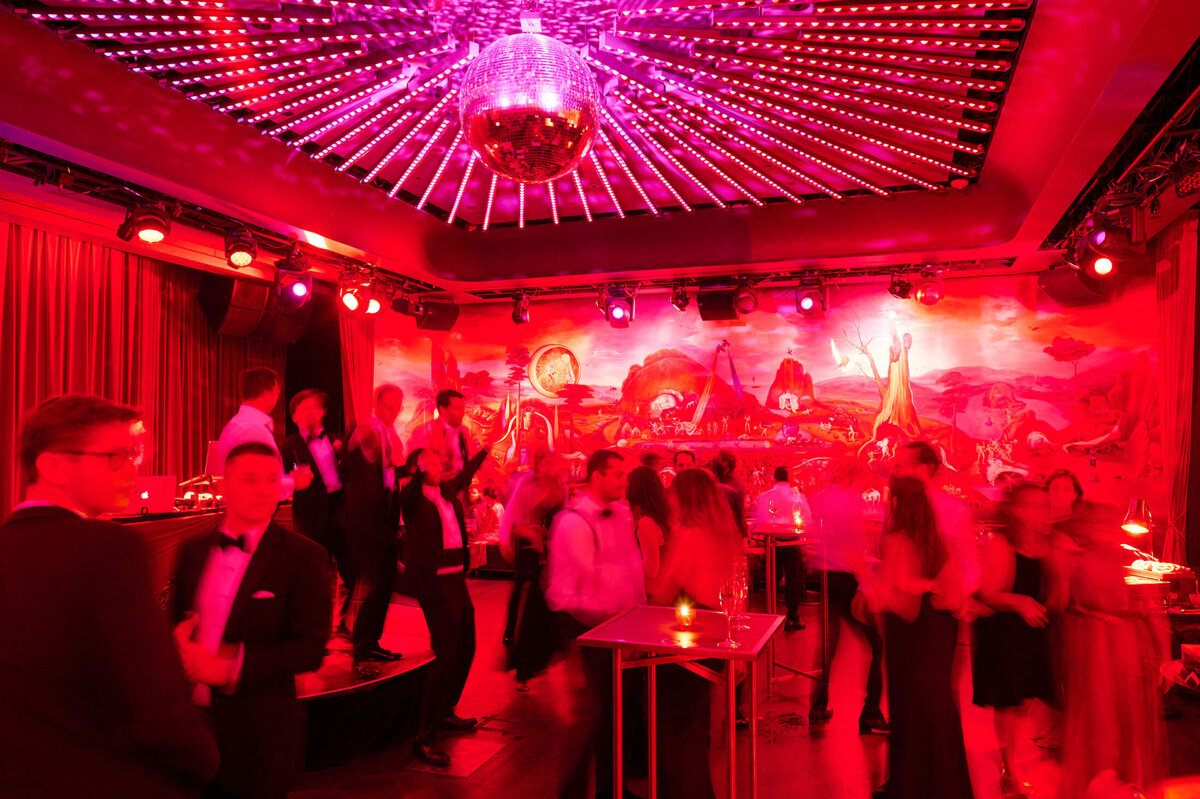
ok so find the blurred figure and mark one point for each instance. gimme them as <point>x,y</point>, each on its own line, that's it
<point>843,540</point>
<point>523,532</point>
<point>724,467</point>
<point>917,587</point>
<point>488,513</point>
<point>593,572</point>
<point>435,568</point>
<point>93,700</point>
<point>1110,652</point>
<point>252,608</point>
<point>704,548</point>
<point>1011,658</point>
<point>260,389</point>
<point>651,515</point>
<point>784,505</point>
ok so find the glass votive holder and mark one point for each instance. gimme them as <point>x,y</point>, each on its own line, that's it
<point>684,616</point>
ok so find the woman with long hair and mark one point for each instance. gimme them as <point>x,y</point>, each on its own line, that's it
<point>918,584</point>
<point>652,515</point>
<point>702,551</point>
<point>1011,659</point>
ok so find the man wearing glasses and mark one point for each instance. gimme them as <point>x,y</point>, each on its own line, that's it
<point>93,699</point>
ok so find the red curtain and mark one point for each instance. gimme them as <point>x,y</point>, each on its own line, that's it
<point>358,367</point>
<point>1175,265</point>
<point>82,317</point>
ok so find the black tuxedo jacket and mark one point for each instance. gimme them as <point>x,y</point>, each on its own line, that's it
<point>424,550</point>
<point>93,700</point>
<point>310,507</point>
<point>281,617</point>
<point>372,511</point>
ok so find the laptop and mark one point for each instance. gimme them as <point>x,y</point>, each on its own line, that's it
<point>213,467</point>
<point>154,494</point>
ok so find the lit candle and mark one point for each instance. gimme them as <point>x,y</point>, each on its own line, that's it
<point>684,617</point>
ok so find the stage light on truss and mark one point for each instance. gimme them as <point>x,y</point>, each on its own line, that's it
<point>900,287</point>
<point>617,304</point>
<point>294,261</point>
<point>520,310</point>
<point>358,295</point>
<point>293,289</point>
<point>240,248</point>
<point>406,305</point>
<point>745,300</point>
<point>812,298</point>
<point>679,298</point>
<point>1185,175</point>
<point>150,224</point>
<point>930,288</point>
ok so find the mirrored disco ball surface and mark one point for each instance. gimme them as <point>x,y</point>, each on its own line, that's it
<point>529,107</point>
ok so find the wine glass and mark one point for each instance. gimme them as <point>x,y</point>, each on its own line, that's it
<point>773,509</point>
<point>741,589</point>
<point>729,603</point>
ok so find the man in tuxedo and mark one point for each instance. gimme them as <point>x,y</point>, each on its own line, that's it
<point>435,570</point>
<point>260,388</point>
<point>446,435</point>
<point>318,512</point>
<point>373,520</point>
<point>252,606</point>
<point>93,700</point>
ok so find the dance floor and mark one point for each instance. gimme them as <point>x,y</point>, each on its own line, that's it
<point>528,741</point>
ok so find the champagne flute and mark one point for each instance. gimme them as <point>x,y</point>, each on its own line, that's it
<point>741,588</point>
<point>728,598</point>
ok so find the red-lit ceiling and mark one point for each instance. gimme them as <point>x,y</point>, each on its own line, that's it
<point>793,134</point>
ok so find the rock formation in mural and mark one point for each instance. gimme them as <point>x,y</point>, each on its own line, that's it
<point>791,384</point>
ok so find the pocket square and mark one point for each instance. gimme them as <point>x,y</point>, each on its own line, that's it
<point>262,595</point>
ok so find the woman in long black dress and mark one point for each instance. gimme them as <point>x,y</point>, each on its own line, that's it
<point>1012,663</point>
<point>917,584</point>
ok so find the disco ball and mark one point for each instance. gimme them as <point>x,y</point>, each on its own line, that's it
<point>529,107</point>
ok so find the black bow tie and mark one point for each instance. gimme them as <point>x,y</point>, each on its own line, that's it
<point>225,541</point>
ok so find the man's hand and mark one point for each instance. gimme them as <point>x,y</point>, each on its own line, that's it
<point>303,477</point>
<point>200,665</point>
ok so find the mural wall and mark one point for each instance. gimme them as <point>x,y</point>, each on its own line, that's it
<point>1005,382</point>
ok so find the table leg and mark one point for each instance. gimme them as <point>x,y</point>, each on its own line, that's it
<point>652,725</point>
<point>731,685</point>
<point>753,688</point>
<point>618,786</point>
<point>769,556</point>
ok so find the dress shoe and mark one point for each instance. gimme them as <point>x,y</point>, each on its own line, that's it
<point>792,624</point>
<point>457,722</point>
<point>818,714</point>
<point>427,751</point>
<point>376,654</point>
<point>870,724</point>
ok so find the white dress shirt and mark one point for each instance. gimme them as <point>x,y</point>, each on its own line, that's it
<point>452,537</point>
<point>391,450</point>
<point>594,564</point>
<point>787,500</point>
<point>220,581</point>
<point>447,440</point>
<point>251,424</point>
<point>326,459</point>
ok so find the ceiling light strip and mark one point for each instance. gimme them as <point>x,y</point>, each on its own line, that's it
<point>821,9</point>
<point>437,176</point>
<point>596,165</point>
<point>629,142</point>
<point>193,46</point>
<point>205,60</point>
<point>675,162</point>
<point>873,68</point>
<point>553,201</point>
<point>90,15</point>
<point>487,214</point>
<point>914,42</point>
<point>233,88</point>
<point>432,140</point>
<point>904,25</point>
<point>699,156</point>
<point>637,184</point>
<point>462,185</point>
<point>238,72</point>
<point>587,210</point>
<point>400,119</point>
<point>521,205</point>
<point>678,7</point>
<point>429,115</point>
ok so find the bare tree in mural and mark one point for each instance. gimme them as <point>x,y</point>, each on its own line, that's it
<point>573,395</point>
<point>1070,350</point>
<point>518,366</point>
<point>896,407</point>
<point>864,348</point>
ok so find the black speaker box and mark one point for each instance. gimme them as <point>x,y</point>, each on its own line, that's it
<point>716,305</point>
<point>234,307</point>
<point>437,315</point>
<point>1070,287</point>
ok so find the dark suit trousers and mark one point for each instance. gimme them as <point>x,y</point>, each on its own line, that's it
<point>374,556</point>
<point>261,741</point>
<point>450,616</point>
<point>790,561</point>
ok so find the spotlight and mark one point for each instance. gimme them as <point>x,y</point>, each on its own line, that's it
<point>404,304</point>
<point>358,295</point>
<point>901,287</point>
<point>240,249</point>
<point>1102,247</point>
<point>520,310</point>
<point>373,306</point>
<point>617,304</point>
<point>745,300</point>
<point>294,289</point>
<point>1186,176</point>
<point>1137,519</point>
<point>811,298</point>
<point>149,224</point>
<point>679,298</point>
<point>930,289</point>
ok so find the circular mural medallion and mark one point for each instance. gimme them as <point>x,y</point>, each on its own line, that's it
<point>551,367</point>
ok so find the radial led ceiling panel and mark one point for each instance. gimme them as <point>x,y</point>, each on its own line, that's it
<point>704,104</point>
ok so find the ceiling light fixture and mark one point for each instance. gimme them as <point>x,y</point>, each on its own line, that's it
<point>520,310</point>
<point>149,223</point>
<point>679,298</point>
<point>812,297</point>
<point>900,287</point>
<point>240,248</point>
<point>617,304</point>
<point>930,289</point>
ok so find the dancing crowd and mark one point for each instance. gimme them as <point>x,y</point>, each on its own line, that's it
<point>103,694</point>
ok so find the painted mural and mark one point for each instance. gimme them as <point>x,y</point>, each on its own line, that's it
<point>1005,382</point>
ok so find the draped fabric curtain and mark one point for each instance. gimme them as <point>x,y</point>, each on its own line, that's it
<point>1175,254</point>
<point>79,317</point>
<point>358,367</point>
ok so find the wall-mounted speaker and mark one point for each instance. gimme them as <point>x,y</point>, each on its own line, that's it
<point>437,315</point>
<point>717,305</point>
<point>234,307</point>
<point>1070,287</point>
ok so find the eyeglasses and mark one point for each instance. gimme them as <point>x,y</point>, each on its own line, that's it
<point>117,458</point>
